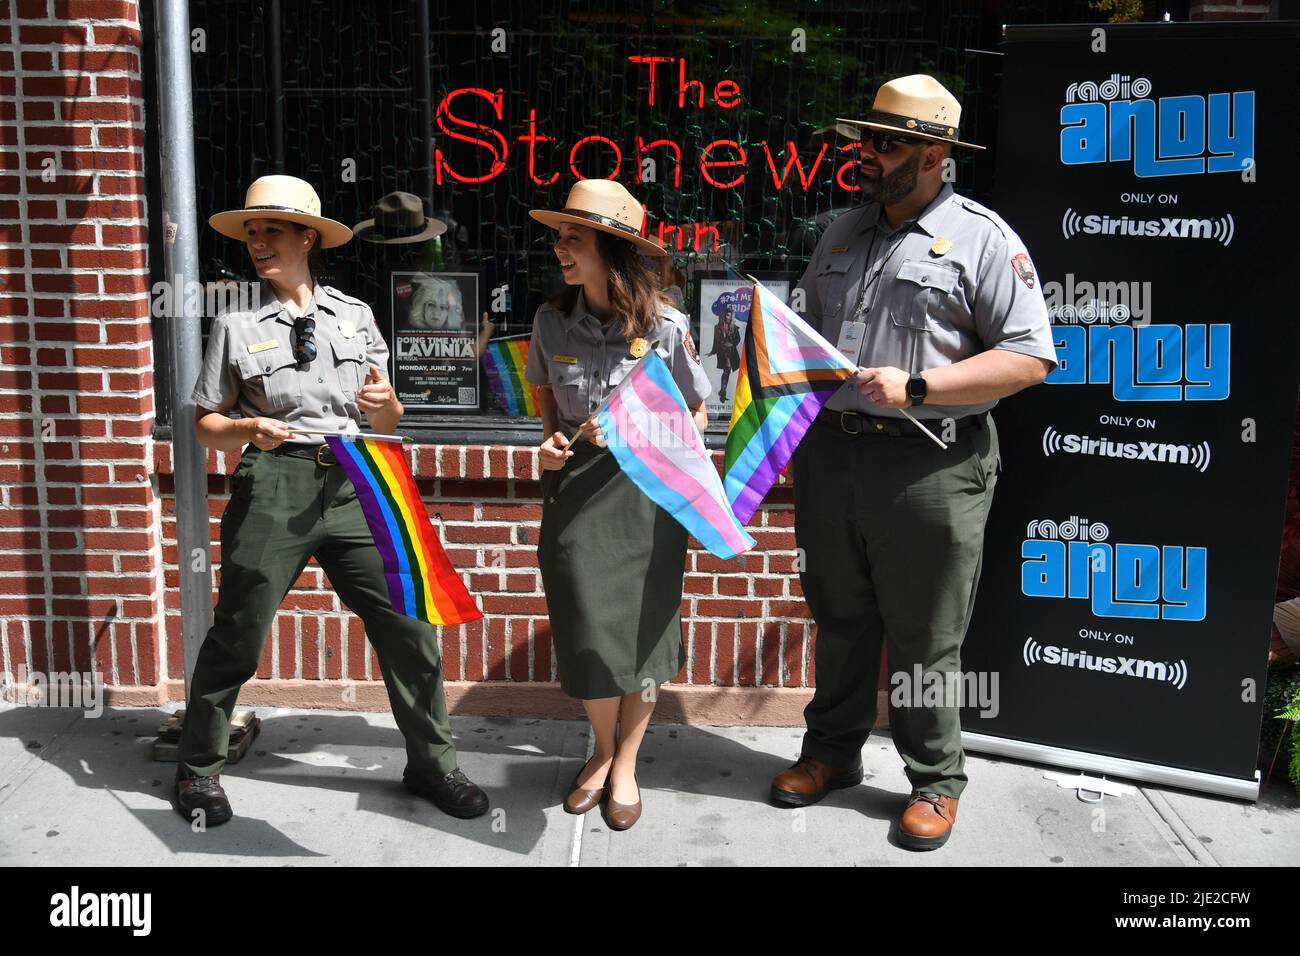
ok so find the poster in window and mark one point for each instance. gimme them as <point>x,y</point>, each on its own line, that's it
<point>435,363</point>
<point>722,302</point>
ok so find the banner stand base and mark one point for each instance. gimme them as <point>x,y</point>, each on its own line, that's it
<point>1233,787</point>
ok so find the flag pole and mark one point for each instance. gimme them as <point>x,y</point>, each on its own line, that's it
<point>311,431</point>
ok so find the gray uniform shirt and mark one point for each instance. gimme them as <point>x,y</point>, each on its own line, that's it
<point>582,361</point>
<point>924,305</point>
<point>249,363</point>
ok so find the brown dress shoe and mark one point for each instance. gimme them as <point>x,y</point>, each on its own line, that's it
<point>579,801</point>
<point>927,821</point>
<point>809,780</point>
<point>621,816</point>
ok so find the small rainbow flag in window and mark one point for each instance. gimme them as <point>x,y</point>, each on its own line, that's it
<point>504,362</point>
<point>422,583</point>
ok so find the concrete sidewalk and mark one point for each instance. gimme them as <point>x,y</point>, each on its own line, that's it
<point>323,787</point>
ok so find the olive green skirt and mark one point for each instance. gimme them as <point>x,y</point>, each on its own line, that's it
<point>612,563</point>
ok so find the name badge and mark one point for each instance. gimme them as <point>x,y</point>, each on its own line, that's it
<point>839,249</point>
<point>566,359</point>
<point>262,346</point>
<point>850,343</point>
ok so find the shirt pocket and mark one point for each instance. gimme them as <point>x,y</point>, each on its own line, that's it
<point>569,385</point>
<point>922,295</point>
<point>833,286</point>
<point>271,379</point>
<point>350,366</point>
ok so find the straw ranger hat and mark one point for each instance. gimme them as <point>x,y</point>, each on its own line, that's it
<point>916,106</point>
<point>398,218</point>
<point>281,197</point>
<point>604,205</point>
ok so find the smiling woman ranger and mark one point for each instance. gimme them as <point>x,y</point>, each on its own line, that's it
<point>300,363</point>
<point>611,559</point>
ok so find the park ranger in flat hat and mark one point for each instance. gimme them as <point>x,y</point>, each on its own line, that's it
<point>306,361</point>
<point>936,299</point>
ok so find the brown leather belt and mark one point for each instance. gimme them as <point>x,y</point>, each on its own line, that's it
<point>856,423</point>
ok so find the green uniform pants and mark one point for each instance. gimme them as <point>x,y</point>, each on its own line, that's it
<point>283,511</point>
<point>892,533</point>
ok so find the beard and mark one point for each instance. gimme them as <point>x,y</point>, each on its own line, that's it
<point>894,187</point>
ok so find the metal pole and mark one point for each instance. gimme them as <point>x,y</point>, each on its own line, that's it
<point>184,334</point>
<point>275,67</point>
<point>423,84</point>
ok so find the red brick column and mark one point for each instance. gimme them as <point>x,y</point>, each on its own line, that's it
<point>80,557</point>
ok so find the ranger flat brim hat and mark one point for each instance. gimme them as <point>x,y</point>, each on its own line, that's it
<point>397,219</point>
<point>916,106</point>
<point>605,206</point>
<point>281,197</point>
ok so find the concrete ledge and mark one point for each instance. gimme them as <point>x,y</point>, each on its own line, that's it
<point>678,703</point>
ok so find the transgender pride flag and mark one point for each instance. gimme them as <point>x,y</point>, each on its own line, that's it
<point>653,437</point>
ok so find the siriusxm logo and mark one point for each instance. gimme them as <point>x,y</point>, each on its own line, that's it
<point>1198,456</point>
<point>1166,227</point>
<point>1073,560</point>
<point>1174,673</point>
<point>1151,363</point>
<point>1116,121</point>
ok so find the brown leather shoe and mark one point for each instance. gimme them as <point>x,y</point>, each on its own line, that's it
<point>808,780</point>
<point>579,801</point>
<point>621,816</point>
<point>927,821</point>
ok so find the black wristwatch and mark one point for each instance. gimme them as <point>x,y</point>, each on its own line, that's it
<point>916,389</point>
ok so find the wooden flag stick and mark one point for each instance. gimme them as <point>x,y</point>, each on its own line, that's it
<point>933,437</point>
<point>310,431</point>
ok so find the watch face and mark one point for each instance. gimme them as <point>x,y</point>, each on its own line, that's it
<point>916,388</point>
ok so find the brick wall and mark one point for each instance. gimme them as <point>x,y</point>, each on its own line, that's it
<point>744,621</point>
<point>79,546</point>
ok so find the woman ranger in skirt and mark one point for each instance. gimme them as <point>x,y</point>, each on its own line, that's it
<point>306,362</point>
<point>611,560</point>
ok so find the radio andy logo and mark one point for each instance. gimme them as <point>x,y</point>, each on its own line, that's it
<point>1118,121</point>
<point>1146,363</point>
<point>1074,560</point>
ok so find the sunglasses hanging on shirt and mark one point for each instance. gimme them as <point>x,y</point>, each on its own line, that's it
<point>304,345</point>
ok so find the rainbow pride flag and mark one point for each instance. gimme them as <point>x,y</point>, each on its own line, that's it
<point>504,362</point>
<point>421,580</point>
<point>652,435</point>
<point>787,373</point>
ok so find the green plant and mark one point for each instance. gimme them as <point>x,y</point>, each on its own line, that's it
<point>1280,691</point>
<point>1291,714</point>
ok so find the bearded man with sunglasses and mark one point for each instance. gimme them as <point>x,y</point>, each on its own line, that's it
<point>935,298</point>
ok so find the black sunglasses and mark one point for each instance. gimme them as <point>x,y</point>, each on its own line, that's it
<point>304,347</point>
<point>884,142</point>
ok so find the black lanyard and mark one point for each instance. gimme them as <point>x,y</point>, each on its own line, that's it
<point>862,294</point>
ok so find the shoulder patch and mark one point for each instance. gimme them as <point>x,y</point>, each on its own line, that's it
<point>1023,268</point>
<point>690,348</point>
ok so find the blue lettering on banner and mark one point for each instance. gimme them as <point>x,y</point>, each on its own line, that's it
<point>1165,137</point>
<point>1139,581</point>
<point>1150,363</point>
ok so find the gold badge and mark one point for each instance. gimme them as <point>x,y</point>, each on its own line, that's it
<point>566,359</point>
<point>941,245</point>
<point>262,346</point>
<point>640,347</point>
